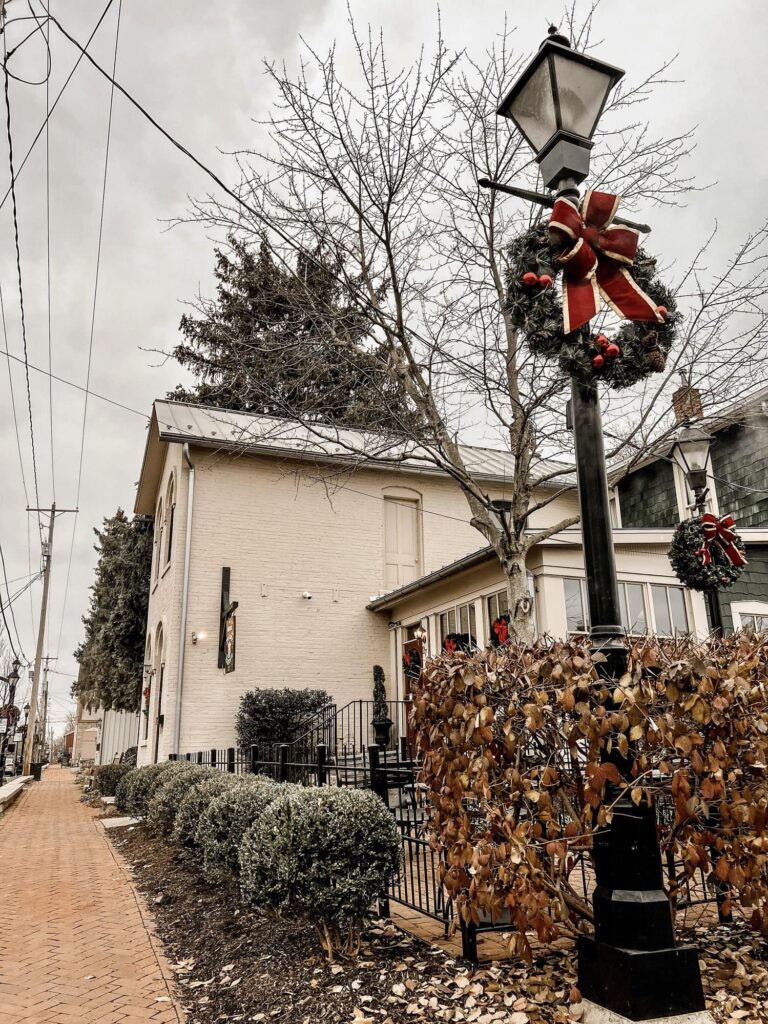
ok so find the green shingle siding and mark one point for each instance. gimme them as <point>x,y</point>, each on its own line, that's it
<point>740,455</point>
<point>752,585</point>
<point>647,497</point>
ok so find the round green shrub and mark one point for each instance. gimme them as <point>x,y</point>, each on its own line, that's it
<point>323,853</point>
<point>227,818</point>
<point>164,803</point>
<point>197,800</point>
<point>141,784</point>
<point>123,791</point>
<point>107,777</point>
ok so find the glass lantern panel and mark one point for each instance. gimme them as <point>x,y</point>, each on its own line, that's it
<point>581,91</point>
<point>533,109</point>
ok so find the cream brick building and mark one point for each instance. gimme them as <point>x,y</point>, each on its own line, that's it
<point>383,550</point>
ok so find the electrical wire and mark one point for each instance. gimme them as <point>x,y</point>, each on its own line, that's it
<point>6,79</point>
<point>93,328</point>
<point>48,255</point>
<point>78,387</point>
<point>61,92</point>
<point>13,620</point>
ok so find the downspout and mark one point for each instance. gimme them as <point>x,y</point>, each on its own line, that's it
<point>184,599</point>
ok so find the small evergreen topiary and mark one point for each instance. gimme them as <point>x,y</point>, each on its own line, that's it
<point>164,803</point>
<point>324,853</point>
<point>228,817</point>
<point>197,800</point>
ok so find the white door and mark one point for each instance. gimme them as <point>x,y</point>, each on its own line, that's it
<point>401,542</point>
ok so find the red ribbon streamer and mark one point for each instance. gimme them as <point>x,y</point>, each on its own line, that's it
<point>721,532</point>
<point>594,268</point>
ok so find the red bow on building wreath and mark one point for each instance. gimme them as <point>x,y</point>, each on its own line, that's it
<point>721,532</point>
<point>501,630</point>
<point>595,265</point>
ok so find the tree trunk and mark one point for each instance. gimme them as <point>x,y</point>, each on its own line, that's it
<point>520,603</point>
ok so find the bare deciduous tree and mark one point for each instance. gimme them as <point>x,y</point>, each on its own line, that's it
<point>380,173</point>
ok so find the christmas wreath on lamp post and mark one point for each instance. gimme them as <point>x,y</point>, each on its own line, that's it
<point>706,553</point>
<point>599,261</point>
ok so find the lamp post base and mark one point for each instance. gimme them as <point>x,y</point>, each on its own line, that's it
<point>640,985</point>
<point>594,1014</point>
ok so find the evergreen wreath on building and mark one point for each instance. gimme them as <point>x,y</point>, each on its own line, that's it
<point>706,553</point>
<point>636,350</point>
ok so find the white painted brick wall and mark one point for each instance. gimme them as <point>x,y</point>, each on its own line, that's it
<point>284,532</point>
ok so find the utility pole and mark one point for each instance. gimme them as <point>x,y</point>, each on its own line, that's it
<point>32,726</point>
<point>44,717</point>
<point>47,557</point>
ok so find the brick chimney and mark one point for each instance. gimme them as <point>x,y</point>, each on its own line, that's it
<point>686,402</point>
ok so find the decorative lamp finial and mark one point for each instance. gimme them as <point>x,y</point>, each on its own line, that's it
<point>554,35</point>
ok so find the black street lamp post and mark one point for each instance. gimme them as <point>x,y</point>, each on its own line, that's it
<point>632,967</point>
<point>691,452</point>
<point>11,712</point>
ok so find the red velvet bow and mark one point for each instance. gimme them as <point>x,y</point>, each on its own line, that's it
<point>719,531</point>
<point>450,645</point>
<point>501,629</point>
<point>595,265</point>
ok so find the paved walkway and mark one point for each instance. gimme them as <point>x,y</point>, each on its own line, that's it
<point>76,945</point>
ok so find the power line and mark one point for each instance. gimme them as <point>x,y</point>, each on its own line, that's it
<point>13,397</point>
<point>48,250</point>
<point>55,102</point>
<point>6,79</point>
<point>2,611</point>
<point>93,327</point>
<point>78,387</point>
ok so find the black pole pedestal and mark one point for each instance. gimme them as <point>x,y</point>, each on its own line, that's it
<point>632,966</point>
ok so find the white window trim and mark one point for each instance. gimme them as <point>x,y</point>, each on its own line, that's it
<point>650,611</point>
<point>739,608</point>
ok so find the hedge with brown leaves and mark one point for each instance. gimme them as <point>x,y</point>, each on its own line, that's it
<point>515,740</point>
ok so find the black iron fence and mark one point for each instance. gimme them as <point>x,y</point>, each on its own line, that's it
<point>339,747</point>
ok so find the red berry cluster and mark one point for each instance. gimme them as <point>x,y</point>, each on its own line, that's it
<point>608,350</point>
<point>531,280</point>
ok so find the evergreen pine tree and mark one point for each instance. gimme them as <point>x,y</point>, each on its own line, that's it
<point>111,656</point>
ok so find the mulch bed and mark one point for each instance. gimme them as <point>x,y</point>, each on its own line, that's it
<point>237,964</point>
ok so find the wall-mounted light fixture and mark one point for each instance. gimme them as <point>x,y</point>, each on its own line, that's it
<point>198,635</point>
<point>307,596</point>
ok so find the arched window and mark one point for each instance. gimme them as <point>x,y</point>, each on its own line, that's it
<point>170,509</point>
<point>158,537</point>
<point>146,694</point>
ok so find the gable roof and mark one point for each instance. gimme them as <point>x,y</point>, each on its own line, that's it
<point>738,412</point>
<point>253,434</point>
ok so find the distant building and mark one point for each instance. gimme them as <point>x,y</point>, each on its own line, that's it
<point>336,563</point>
<point>654,496</point>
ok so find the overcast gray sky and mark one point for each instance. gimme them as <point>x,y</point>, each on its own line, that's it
<point>197,67</point>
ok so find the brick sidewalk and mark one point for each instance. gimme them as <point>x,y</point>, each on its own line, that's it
<point>74,941</point>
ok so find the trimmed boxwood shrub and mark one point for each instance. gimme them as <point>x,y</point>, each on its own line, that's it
<point>227,818</point>
<point>197,800</point>
<point>325,854</point>
<point>164,803</point>
<point>107,777</point>
<point>140,787</point>
<point>276,716</point>
<point>123,791</point>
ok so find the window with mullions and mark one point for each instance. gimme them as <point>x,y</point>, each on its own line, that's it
<point>576,607</point>
<point>669,610</point>
<point>460,620</point>
<point>756,623</point>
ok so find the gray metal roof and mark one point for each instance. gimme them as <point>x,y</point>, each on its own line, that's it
<point>266,435</point>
